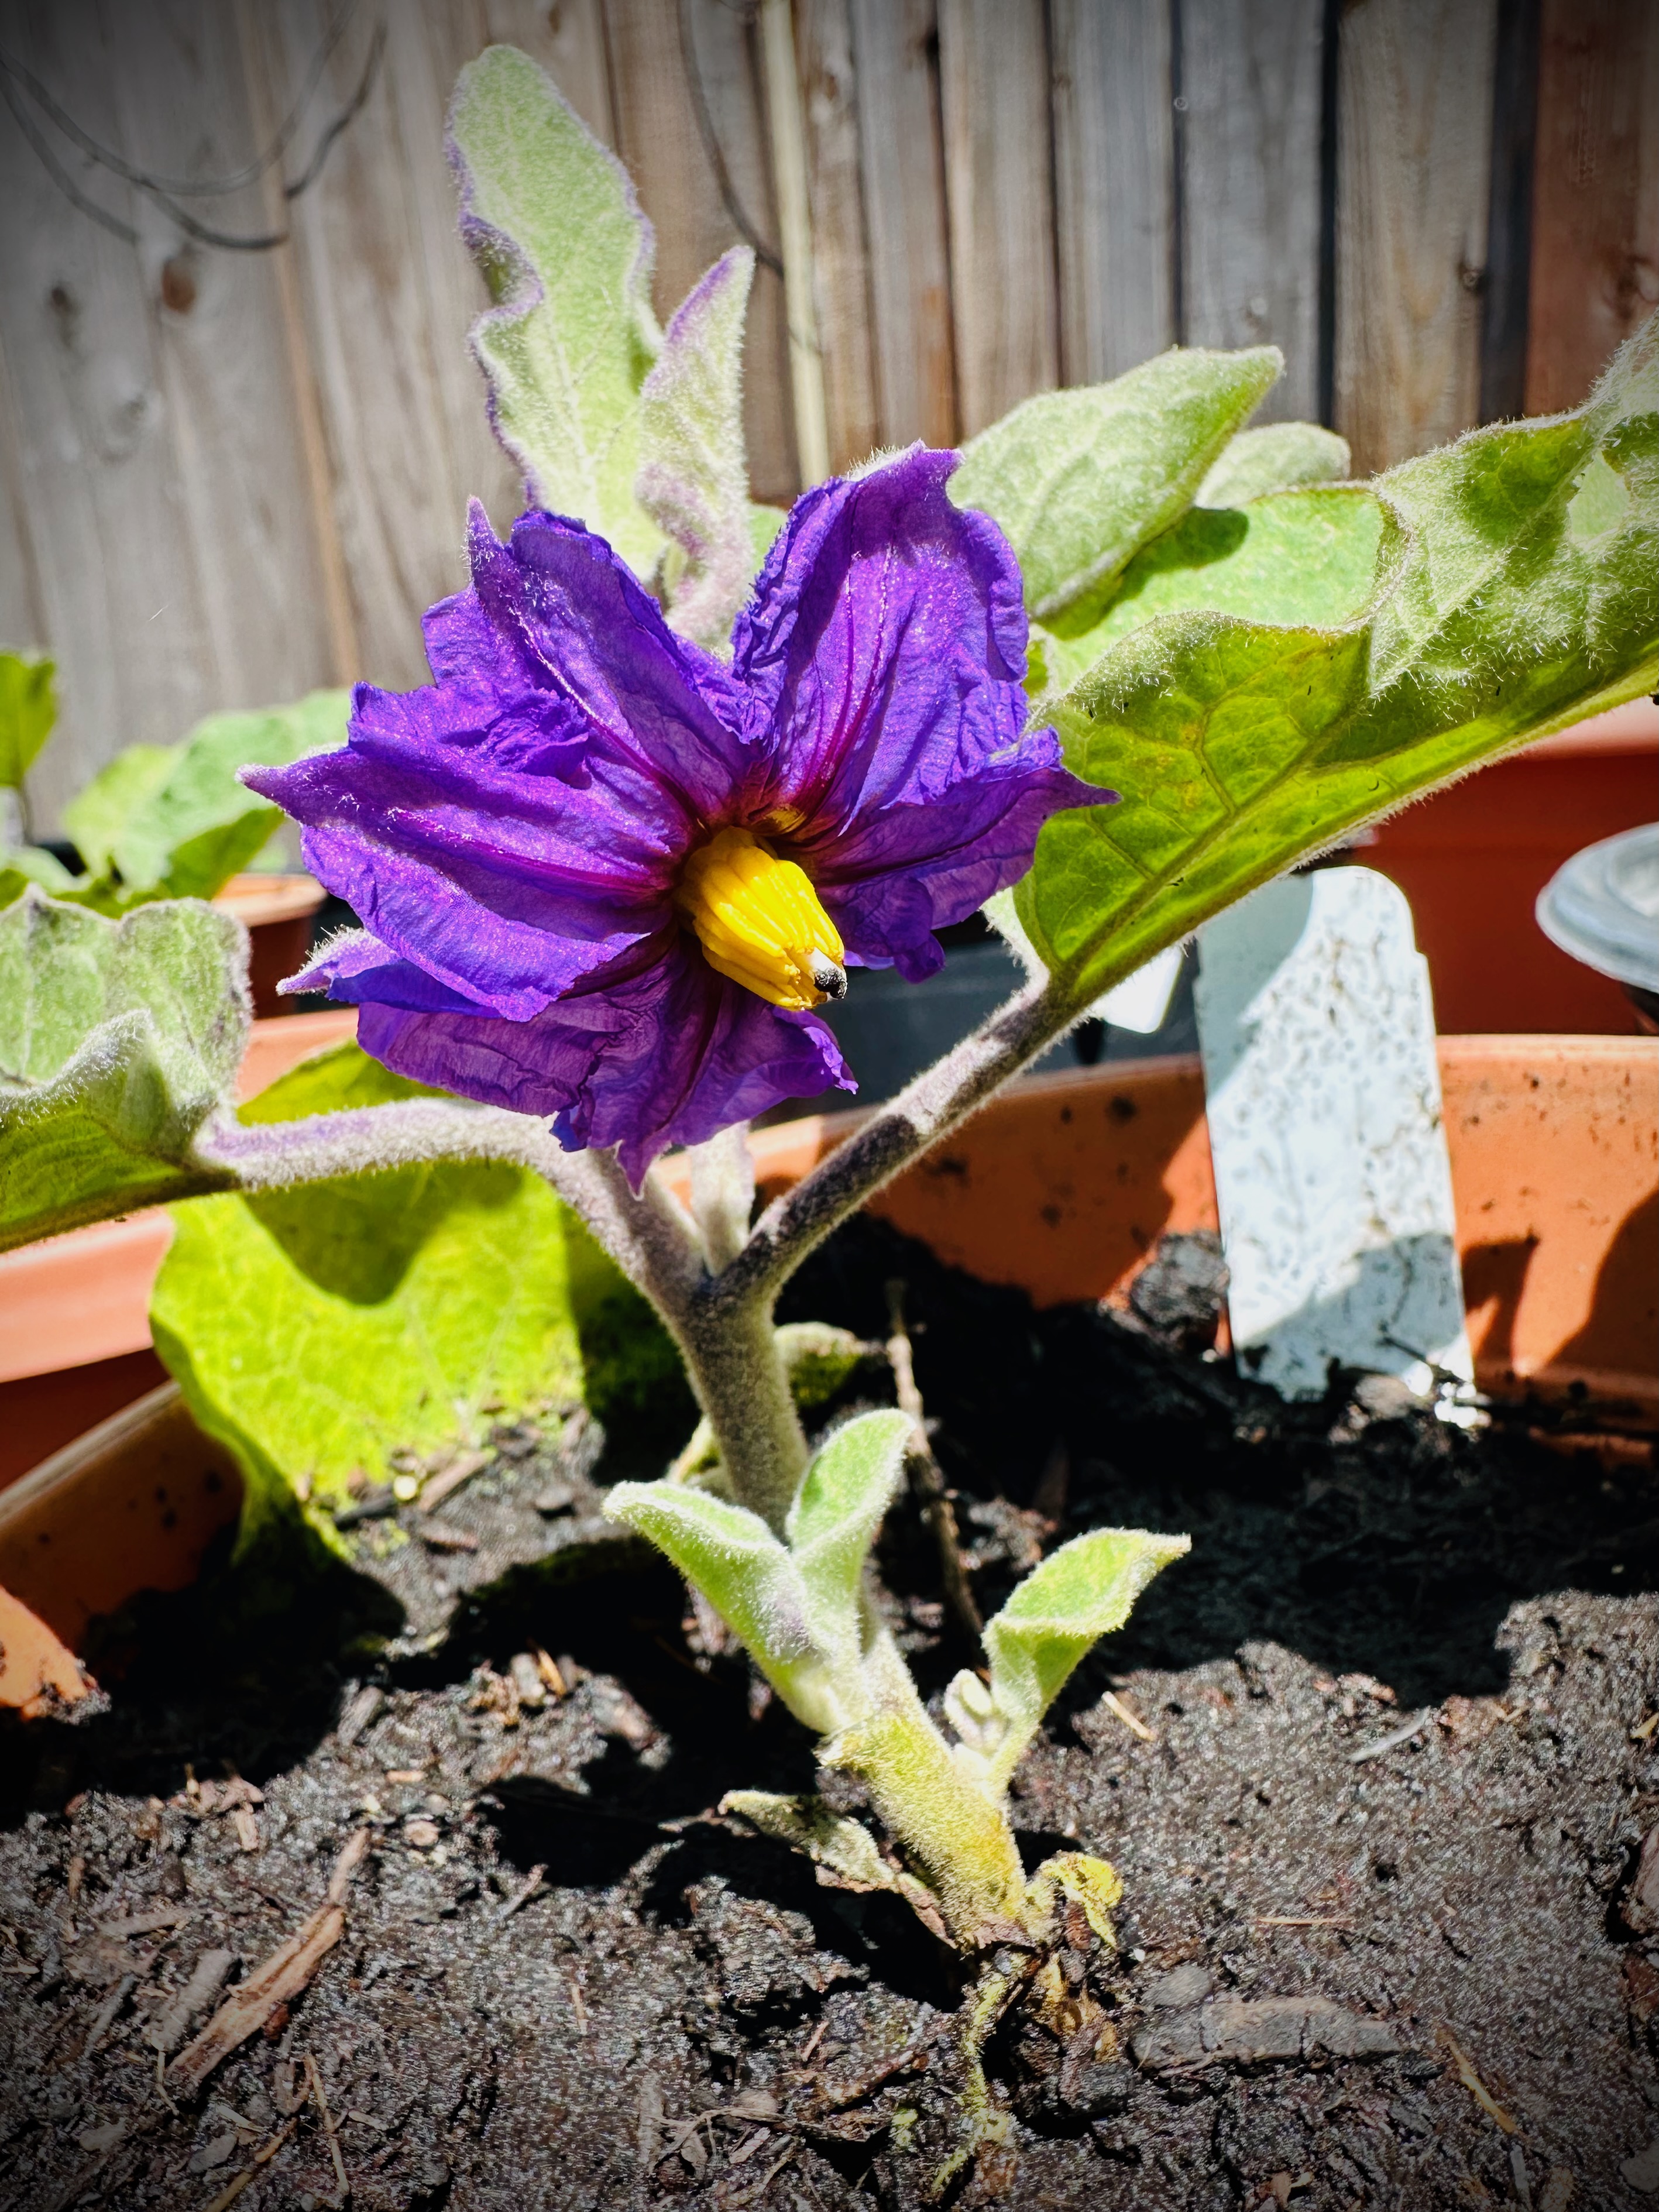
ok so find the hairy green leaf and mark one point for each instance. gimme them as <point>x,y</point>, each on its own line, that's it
<point>844,1849</point>
<point>694,473</point>
<point>1078,481</point>
<point>750,1579</point>
<point>1516,592</point>
<point>1279,456</point>
<point>28,708</point>
<point>1079,1594</point>
<point>1290,558</point>
<point>118,1040</point>
<point>172,821</point>
<point>833,1521</point>
<point>403,1303</point>
<point>550,218</point>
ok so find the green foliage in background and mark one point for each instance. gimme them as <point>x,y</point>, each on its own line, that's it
<point>163,822</point>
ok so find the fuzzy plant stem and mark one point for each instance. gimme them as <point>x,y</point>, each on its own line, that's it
<point>894,1135</point>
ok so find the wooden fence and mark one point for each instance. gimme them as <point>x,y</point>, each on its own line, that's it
<point>231,474</point>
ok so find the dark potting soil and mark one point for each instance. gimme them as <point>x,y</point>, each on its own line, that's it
<point>1376,1763</point>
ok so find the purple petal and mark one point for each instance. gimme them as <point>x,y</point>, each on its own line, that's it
<point>885,644</point>
<point>354,968</point>
<point>904,872</point>
<point>665,707</point>
<point>665,1055</point>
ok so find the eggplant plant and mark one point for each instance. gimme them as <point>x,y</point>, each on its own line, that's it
<point>687,766</point>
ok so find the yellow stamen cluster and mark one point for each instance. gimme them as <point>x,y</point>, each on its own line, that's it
<point>759,921</point>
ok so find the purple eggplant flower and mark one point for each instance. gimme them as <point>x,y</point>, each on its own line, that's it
<point>604,875</point>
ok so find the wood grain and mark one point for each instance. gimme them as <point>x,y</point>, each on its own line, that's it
<point>1250,154</point>
<point>1114,183</point>
<point>994,79</point>
<point>896,56</point>
<point>1413,177</point>
<point>156,455</point>
<point>1596,192</point>
<point>658,137</point>
<point>824,38</point>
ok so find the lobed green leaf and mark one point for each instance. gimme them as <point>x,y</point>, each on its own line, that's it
<point>550,217</point>
<point>1078,481</point>
<point>1517,590</point>
<point>117,1040</point>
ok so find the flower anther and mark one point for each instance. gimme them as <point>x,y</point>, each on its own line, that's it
<point>759,921</point>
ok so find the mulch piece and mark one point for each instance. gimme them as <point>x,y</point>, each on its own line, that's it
<point>1377,1765</point>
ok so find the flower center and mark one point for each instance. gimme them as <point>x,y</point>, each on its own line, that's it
<point>759,921</point>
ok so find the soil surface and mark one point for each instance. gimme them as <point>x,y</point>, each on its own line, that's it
<point>1377,1764</point>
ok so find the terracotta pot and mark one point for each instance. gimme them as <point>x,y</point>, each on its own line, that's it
<point>1062,1187</point>
<point>278,912</point>
<point>1473,859</point>
<point>74,1340</point>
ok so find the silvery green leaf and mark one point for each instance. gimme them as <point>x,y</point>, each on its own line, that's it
<point>28,708</point>
<point>845,1492</point>
<point>552,219</point>
<point>749,1578</point>
<point>1079,480</point>
<point>694,473</point>
<point>1079,1594</point>
<point>1516,591</point>
<point>1279,456</point>
<point>117,1040</point>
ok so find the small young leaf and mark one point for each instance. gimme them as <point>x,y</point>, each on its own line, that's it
<point>404,1303</point>
<point>550,217</point>
<point>833,1521</point>
<point>1079,1594</point>
<point>845,1849</point>
<point>1279,456</point>
<point>694,473</point>
<point>1080,480</point>
<point>1240,746</point>
<point>28,708</point>
<point>749,1578</point>
<point>117,1041</point>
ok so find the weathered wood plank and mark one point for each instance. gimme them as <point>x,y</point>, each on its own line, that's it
<point>658,135</point>
<point>1114,183</point>
<point>1249,146</point>
<point>895,59</point>
<point>1414,180</point>
<point>388,293</point>
<point>155,449</point>
<point>994,75</point>
<point>1508,213</point>
<point>823,34</point>
<point>1595,194</point>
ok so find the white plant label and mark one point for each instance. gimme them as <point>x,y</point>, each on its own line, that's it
<point>1317,1032</point>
